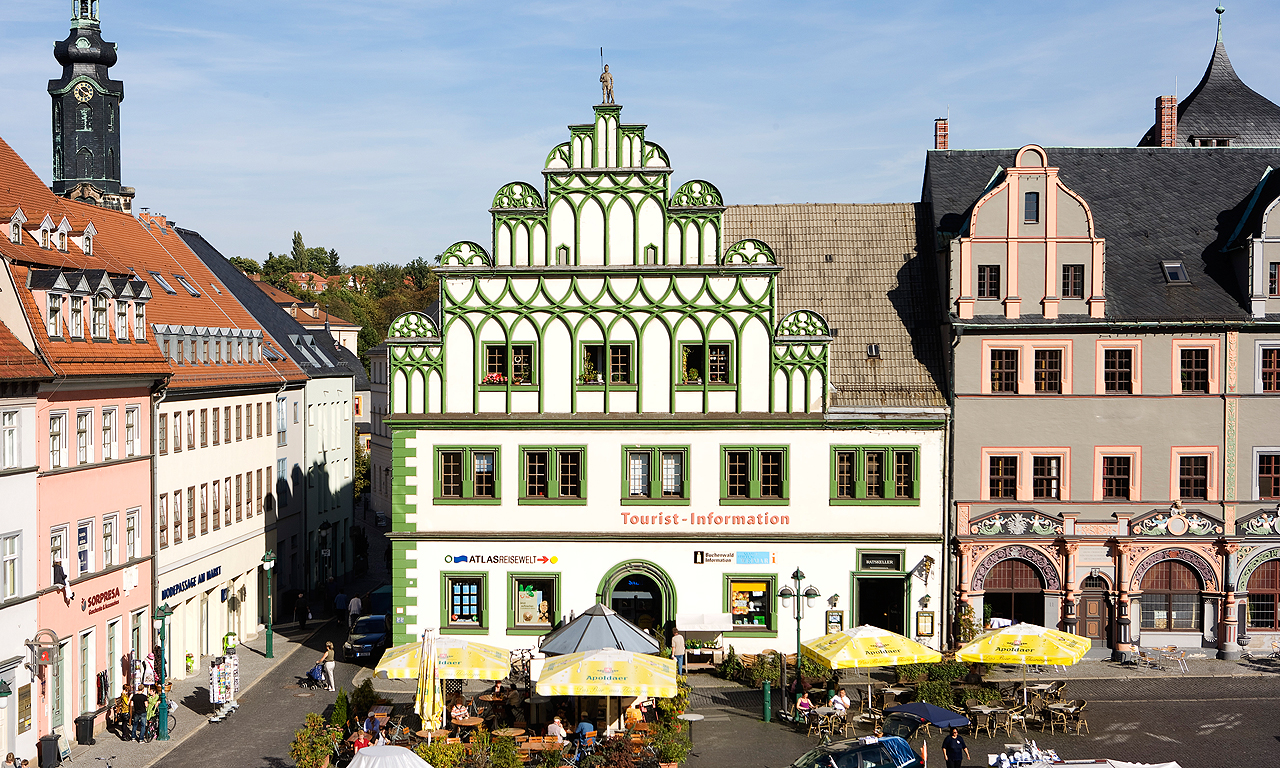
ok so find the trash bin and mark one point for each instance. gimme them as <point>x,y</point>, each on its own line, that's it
<point>84,729</point>
<point>48,753</point>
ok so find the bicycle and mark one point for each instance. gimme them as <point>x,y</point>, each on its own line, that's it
<point>520,660</point>
<point>153,724</point>
<point>397,731</point>
<point>106,760</point>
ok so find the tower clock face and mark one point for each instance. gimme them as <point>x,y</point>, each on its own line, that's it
<point>84,92</point>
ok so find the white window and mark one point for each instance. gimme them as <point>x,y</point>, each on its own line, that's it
<point>131,441</point>
<point>54,323</point>
<point>108,434</point>
<point>8,439</point>
<point>84,437</point>
<point>76,308</point>
<point>131,542</point>
<point>295,411</point>
<point>57,440</point>
<point>282,423</point>
<point>99,317</point>
<point>122,321</point>
<point>88,245</point>
<point>10,566</point>
<point>84,546</point>
<point>280,468</point>
<point>139,321</point>
<point>109,541</point>
<point>15,232</point>
<point>58,552</point>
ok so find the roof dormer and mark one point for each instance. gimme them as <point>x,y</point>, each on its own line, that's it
<point>62,233</point>
<point>44,231</point>
<point>16,220</point>
<point>84,238</point>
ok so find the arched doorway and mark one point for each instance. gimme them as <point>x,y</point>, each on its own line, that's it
<point>1264,597</point>
<point>1014,591</point>
<point>641,592</point>
<point>1093,610</point>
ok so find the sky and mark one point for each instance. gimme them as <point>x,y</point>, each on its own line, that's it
<point>383,128</point>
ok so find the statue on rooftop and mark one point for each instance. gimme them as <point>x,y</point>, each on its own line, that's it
<point>606,84</point>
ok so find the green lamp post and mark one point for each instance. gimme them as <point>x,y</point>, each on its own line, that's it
<point>268,563</point>
<point>801,598</point>
<point>158,621</point>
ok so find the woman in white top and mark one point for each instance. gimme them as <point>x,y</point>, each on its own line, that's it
<point>328,662</point>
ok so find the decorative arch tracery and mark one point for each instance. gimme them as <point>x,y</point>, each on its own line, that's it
<point>1198,563</point>
<point>1039,560</point>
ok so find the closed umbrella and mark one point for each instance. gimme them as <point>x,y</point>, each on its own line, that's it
<point>1025,644</point>
<point>596,628</point>
<point>430,697</point>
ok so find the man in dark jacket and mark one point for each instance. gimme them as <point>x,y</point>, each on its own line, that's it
<point>138,705</point>
<point>954,750</point>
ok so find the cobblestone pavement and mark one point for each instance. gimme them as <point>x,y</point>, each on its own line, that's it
<point>1201,722</point>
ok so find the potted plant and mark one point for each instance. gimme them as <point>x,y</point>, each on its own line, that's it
<point>589,373</point>
<point>672,745</point>
<point>692,376</point>
<point>441,755</point>
<point>494,379</point>
<point>314,742</point>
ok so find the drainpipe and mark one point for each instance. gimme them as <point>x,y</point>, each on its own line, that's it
<point>949,564</point>
<point>157,397</point>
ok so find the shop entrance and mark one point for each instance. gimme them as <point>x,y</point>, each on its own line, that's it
<point>1094,612</point>
<point>638,599</point>
<point>880,603</point>
<point>1014,591</point>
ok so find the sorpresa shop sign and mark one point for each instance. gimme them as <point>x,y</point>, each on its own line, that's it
<point>186,584</point>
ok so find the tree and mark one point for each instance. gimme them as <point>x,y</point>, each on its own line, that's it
<point>360,479</point>
<point>419,271</point>
<point>247,266</point>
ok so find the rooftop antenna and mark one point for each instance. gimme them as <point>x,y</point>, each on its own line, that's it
<point>602,54</point>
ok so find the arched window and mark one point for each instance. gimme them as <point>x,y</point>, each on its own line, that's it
<point>85,118</point>
<point>1013,590</point>
<point>88,245</point>
<point>85,158</point>
<point>15,232</point>
<point>1264,596</point>
<point>1094,582</point>
<point>1171,598</point>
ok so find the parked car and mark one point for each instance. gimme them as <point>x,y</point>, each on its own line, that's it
<point>368,638</point>
<point>886,752</point>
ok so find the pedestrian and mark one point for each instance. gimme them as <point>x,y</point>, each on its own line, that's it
<point>677,650</point>
<point>9,761</point>
<point>60,581</point>
<point>138,705</point>
<point>300,611</point>
<point>339,603</point>
<point>954,750</point>
<point>354,607</point>
<point>327,662</point>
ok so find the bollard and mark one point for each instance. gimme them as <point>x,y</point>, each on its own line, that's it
<point>768,699</point>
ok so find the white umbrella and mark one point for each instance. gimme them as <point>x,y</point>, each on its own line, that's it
<point>387,757</point>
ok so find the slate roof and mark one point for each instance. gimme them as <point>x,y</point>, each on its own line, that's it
<point>877,289</point>
<point>1149,203</point>
<point>1222,105</point>
<point>352,361</point>
<point>319,360</point>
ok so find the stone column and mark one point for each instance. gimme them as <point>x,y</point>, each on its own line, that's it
<point>1228,645</point>
<point>1070,619</point>
<point>964,553</point>
<point>1123,650</point>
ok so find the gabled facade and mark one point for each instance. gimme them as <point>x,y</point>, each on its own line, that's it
<point>615,404</point>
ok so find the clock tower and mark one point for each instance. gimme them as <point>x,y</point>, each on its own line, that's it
<point>86,115</point>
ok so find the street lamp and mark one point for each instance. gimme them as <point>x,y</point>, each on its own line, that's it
<point>268,562</point>
<point>810,595</point>
<point>162,614</point>
<point>325,527</point>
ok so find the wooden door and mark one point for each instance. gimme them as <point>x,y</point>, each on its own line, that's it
<point>1094,617</point>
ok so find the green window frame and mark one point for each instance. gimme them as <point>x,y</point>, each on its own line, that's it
<point>460,476</point>
<point>508,363</point>
<point>715,363</point>
<point>613,363</point>
<point>770,599</point>
<point>466,590</point>
<point>520,583</point>
<point>551,468</point>
<point>655,474</point>
<point>875,475</point>
<point>754,475</point>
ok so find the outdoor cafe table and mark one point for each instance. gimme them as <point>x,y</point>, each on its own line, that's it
<point>1063,706</point>
<point>380,713</point>
<point>819,710</point>
<point>987,709</point>
<point>897,691</point>
<point>512,732</point>
<point>468,722</point>
<point>543,746</point>
<point>1040,687</point>
<point>693,717</point>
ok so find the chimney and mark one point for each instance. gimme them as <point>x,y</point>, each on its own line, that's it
<point>1167,120</point>
<point>940,133</point>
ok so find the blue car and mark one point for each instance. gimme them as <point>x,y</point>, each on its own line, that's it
<point>368,638</point>
<point>886,752</point>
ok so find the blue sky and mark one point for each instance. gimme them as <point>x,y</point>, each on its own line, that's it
<point>382,128</point>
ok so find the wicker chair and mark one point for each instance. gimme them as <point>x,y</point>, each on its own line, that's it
<point>1077,717</point>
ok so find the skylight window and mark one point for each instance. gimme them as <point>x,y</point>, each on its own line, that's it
<point>163,283</point>
<point>1175,272</point>
<point>216,289</point>
<point>191,289</point>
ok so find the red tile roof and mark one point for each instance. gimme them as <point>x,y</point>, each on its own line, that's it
<point>127,247</point>
<point>17,362</point>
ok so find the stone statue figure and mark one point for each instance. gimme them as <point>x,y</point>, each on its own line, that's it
<point>606,84</point>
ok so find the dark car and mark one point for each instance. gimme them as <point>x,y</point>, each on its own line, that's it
<point>886,752</point>
<point>368,638</point>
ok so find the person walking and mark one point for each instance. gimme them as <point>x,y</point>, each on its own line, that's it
<point>327,662</point>
<point>300,611</point>
<point>354,607</point>
<point>339,602</point>
<point>677,650</point>
<point>954,750</point>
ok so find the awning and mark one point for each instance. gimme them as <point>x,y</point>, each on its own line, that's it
<point>705,622</point>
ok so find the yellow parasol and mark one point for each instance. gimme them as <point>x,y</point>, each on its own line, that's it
<point>608,672</point>
<point>455,658</point>
<point>1025,644</point>
<point>402,662</point>
<point>867,646</point>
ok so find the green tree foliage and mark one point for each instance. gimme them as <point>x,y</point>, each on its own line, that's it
<point>247,266</point>
<point>340,713</point>
<point>361,479</point>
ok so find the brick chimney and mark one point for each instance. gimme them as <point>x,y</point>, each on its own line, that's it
<point>1167,120</point>
<point>940,133</point>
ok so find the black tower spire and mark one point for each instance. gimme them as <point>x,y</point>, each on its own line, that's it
<point>86,115</point>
